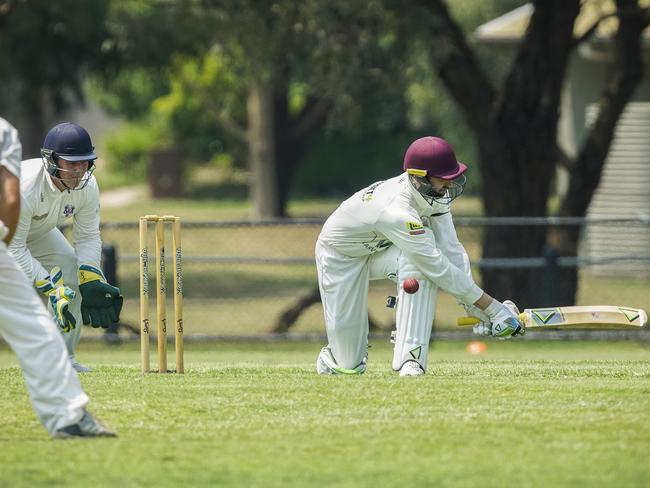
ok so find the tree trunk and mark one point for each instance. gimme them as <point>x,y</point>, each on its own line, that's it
<point>503,196</point>
<point>31,120</point>
<point>523,165</point>
<point>292,133</point>
<point>627,72</point>
<point>564,241</point>
<point>286,150</point>
<point>261,141</point>
<point>32,136</point>
<point>288,155</point>
<point>515,128</point>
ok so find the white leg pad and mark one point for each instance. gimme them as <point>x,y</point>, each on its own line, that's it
<point>53,249</point>
<point>415,313</point>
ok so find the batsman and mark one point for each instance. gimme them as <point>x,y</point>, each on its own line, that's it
<point>400,229</point>
<point>59,189</point>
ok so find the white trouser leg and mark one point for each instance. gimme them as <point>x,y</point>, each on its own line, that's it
<point>27,327</point>
<point>414,317</point>
<point>343,283</point>
<point>53,249</point>
<point>384,265</point>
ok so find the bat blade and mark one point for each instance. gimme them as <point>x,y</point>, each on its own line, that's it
<point>588,317</point>
<point>585,317</point>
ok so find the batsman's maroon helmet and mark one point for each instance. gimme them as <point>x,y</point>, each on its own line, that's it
<point>432,156</point>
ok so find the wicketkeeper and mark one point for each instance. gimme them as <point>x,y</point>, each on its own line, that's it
<point>398,229</point>
<point>57,189</point>
<point>25,324</point>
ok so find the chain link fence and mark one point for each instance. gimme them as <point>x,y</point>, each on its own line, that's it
<point>249,280</point>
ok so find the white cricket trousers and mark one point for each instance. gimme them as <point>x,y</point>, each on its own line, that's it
<point>27,327</point>
<point>344,283</point>
<point>51,250</point>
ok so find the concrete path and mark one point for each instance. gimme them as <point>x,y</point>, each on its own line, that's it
<point>121,197</point>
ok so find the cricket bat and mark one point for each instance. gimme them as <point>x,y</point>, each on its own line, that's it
<point>579,317</point>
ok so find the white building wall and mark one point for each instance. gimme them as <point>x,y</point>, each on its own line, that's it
<point>623,193</point>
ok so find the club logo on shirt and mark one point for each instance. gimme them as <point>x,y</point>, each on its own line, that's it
<point>415,228</point>
<point>68,210</point>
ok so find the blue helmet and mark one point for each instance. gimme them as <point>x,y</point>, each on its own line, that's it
<point>71,142</point>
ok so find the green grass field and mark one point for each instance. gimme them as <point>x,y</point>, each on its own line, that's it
<point>256,415</point>
<point>525,413</point>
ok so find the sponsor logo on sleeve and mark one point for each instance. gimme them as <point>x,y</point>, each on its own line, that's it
<point>415,228</point>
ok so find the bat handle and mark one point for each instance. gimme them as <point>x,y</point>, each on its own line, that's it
<point>463,321</point>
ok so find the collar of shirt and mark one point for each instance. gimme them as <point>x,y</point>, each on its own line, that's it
<point>423,207</point>
<point>53,189</point>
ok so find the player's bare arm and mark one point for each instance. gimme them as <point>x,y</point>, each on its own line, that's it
<point>9,202</point>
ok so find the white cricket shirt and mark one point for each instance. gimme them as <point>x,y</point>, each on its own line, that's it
<point>44,207</point>
<point>392,212</point>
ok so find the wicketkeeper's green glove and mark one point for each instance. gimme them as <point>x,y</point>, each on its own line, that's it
<point>60,297</point>
<point>101,303</point>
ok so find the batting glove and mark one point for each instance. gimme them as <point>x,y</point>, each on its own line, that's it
<point>101,303</point>
<point>504,320</point>
<point>60,297</point>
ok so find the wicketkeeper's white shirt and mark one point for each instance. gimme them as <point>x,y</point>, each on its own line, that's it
<point>45,207</point>
<point>392,212</point>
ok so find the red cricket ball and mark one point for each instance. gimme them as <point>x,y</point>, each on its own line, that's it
<point>410,285</point>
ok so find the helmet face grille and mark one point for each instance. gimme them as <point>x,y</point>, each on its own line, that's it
<point>71,142</point>
<point>50,161</point>
<point>442,196</point>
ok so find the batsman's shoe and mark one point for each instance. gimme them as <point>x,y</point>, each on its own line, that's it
<point>326,364</point>
<point>411,368</point>
<point>88,426</point>
<point>80,368</point>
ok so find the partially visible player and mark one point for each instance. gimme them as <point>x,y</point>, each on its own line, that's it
<point>27,327</point>
<point>400,229</point>
<point>57,189</point>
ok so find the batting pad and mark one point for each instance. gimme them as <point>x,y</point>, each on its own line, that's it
<point>415,312</point>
